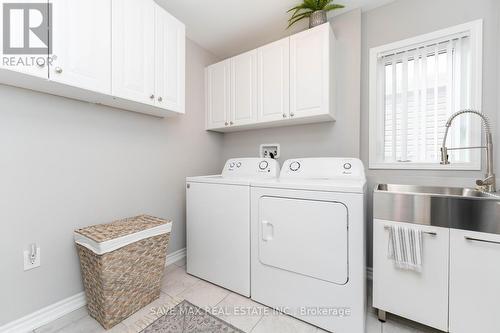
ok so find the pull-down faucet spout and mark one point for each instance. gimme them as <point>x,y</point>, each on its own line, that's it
<point>488,184</point>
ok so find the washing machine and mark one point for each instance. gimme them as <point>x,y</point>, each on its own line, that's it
<point>308,242</point>
<point>218,222</point>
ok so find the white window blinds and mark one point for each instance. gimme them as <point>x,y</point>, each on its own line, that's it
<point>423,87</point>
<point>418,86</point>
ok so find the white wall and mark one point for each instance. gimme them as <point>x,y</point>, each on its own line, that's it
<point>67,164</point>
<point>340,138</point>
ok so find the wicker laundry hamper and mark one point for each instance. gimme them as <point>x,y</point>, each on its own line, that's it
<point>122,265</point>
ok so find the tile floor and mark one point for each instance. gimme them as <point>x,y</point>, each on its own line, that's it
<point>178,286</point>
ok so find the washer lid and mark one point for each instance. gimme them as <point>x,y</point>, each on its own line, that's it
<point>219,179</point>
<point>239,171</point>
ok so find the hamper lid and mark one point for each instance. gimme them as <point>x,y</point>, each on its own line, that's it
<point>104,238</point>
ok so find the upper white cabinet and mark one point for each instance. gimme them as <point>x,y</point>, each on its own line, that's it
<point>287,82</point>
<point>311,72</point>
<point>148,54</point>
<point>274,81</point>
<point>244,89</point>
<point>474,282</point>
<point>83,50</point>
<point>231,91</point>
<point>134,50</point>
<point>217,80</point>
<point>170,55</point>
<point>128,54</point>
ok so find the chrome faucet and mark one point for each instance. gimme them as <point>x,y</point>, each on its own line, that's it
<point>488,184</point>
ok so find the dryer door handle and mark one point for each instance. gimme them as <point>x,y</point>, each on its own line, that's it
<point>267,231</point>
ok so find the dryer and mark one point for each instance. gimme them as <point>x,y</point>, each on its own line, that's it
<point>218,222</point>
<point>308,242</point>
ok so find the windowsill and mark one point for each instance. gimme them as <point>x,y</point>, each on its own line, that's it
<point>426,166</point>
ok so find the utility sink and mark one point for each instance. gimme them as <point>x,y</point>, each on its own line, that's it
<point>462,192</point>
<point>448,207</point>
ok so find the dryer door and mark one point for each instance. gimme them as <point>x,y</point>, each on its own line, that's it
<point>306,237</point>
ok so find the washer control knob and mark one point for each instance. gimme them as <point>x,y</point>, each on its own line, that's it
<point>347,166</point>
<point>238,164</point>
<point>231,165</point>
<point>294,166</point>
<point>263,165</point>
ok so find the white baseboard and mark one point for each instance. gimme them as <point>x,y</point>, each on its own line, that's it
<point>176,256</point>
<point>57,310</point>
<point>46,315</point>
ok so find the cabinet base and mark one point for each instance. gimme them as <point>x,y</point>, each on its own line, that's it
<point>382,315</point>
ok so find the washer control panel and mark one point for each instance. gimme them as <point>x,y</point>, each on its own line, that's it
<point>323,168</point>
<point>251,168</point>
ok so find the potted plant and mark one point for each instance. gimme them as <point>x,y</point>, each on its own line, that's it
<point>315,10</point>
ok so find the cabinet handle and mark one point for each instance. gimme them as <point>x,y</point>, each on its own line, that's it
<point>431,233</point>
<point>59,70</point>
<point>152,96</point>
<point>225,124</point>
<point>284,115</point>
<point>231,123</point>
<point>292,114</point>
<point>480,240</point>
<point>160,99</point>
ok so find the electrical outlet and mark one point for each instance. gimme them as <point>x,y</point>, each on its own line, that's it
<point>28,263</point>
<point>270,150</point>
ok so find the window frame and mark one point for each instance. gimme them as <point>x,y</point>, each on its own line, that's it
<point>376,89</point>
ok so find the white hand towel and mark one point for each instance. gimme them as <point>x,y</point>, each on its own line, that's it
<point>405,247</point>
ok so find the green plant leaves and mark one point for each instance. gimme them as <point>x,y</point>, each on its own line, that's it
<point>298,17</point>
<point>309,6</point>
<point>332,7</point>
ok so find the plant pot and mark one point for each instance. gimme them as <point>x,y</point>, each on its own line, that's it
<point>317,18</point>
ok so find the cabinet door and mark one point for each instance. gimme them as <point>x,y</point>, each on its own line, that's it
<point>133,31</point>
<point>310,72</point>
<point>274,81</point>
<point>474,282</point>
<point>419,296</point>
<point>217,79</point>
<point>170,61</point>
<point>82,46</point>
<point>26,62</point>
<point>244,89</point>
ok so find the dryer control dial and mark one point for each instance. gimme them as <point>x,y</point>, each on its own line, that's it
<point>294,166</point>
<point>263,165</point>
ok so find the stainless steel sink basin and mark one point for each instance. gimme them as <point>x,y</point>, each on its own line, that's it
<point>437,191</point>
<point>449,207</point>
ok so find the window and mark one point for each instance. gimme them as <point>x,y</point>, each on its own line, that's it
<point>415,85</point>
